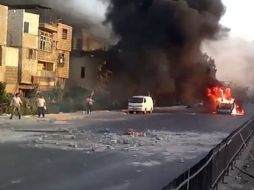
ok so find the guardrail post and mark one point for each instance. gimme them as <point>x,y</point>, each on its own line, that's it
<point>232,166</point>
<point>227,172</point>
<point>188,183</point>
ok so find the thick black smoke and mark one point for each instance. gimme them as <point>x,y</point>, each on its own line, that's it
<point>159,46</point>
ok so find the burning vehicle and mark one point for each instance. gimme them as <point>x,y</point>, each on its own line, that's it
<point>222,102</point>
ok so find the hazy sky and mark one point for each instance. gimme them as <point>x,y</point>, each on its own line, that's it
<point>239,17</point>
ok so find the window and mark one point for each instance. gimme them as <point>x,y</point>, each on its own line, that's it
<point>31,54</point>
<point>83,72</point>
<point>61,60</point>
<point>26,27</point>
<point>46,41</point>
<point>47,66</point>
<point>64,34</point>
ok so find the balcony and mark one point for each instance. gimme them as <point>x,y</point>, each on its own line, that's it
<point>46,74</point>
<point>45,56</point>
<point>48,27</point>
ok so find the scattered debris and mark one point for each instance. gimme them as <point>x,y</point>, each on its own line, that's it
<point>133,133</point>
<point>73,145</point>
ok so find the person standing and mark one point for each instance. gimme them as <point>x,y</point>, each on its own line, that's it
<point>89,104</point>
<point>15,105</point>
<point>41,104</point>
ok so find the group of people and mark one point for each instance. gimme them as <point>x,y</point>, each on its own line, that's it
<point>16,103</point>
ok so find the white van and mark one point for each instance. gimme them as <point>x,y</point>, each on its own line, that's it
<point>142,104</point>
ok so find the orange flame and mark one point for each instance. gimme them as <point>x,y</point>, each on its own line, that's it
<point>220,94</point>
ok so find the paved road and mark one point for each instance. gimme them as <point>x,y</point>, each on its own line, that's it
<point>148,167</point>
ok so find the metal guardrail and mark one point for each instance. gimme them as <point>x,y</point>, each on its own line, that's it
<point>206,174</point>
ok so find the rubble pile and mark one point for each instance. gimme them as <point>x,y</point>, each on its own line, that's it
<point>169,144</point>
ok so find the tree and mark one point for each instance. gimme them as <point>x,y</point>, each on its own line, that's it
<point>3,95</point>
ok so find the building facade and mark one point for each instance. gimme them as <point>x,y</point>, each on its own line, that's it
<point>9,56</point>
<point>43,51</point>
<point>86,58</point>
<point>53,55</point>
<point>23,34</point>
<point>84,71</point>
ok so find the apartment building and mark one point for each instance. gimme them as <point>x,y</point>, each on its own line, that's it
<point>53,55</point>
<point>44,50</point>
<point>8,56</point>
<point>23,34</point>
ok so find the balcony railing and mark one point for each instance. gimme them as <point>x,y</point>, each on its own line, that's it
<point>46,56</point>
<point>48,27</point>
<point>46,74</point>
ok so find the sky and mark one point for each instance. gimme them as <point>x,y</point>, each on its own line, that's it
<point>239,17</point>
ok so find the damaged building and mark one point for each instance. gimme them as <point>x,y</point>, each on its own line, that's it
<point>86,59</point>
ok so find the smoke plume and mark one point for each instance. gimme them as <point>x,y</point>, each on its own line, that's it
<point>234,60</point>
<point>159,46</point>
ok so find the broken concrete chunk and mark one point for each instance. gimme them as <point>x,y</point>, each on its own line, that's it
<point>73,145</point>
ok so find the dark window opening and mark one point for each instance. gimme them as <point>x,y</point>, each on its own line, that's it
<point>61,59</point>
<point>64,34</point>
<point>83,72</point>
<point>47,66</point>
<point>26,27</point>
<point>31,54</point>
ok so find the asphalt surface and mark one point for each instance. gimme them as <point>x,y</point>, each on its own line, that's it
<point>28,168</point>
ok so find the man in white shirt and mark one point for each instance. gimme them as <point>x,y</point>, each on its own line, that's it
<point>15,105</point>
<point>89,104</point>
<point>41,104</point>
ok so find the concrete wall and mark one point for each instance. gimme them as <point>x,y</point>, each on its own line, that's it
<point>91,67</point>
<point>25,41</point>
<point>30,39</point>
<point>2,71</point>
<point>63,71</point>
<point>11,88</point>
<point>3,24</point>
<point>16,35</point>
<point>11,56</point>
<point>28,67</point>
<point>9,68</point>
<point>64,44</point>
<point>15,28</point>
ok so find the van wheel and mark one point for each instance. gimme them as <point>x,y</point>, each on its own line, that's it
<point>131,112</point>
